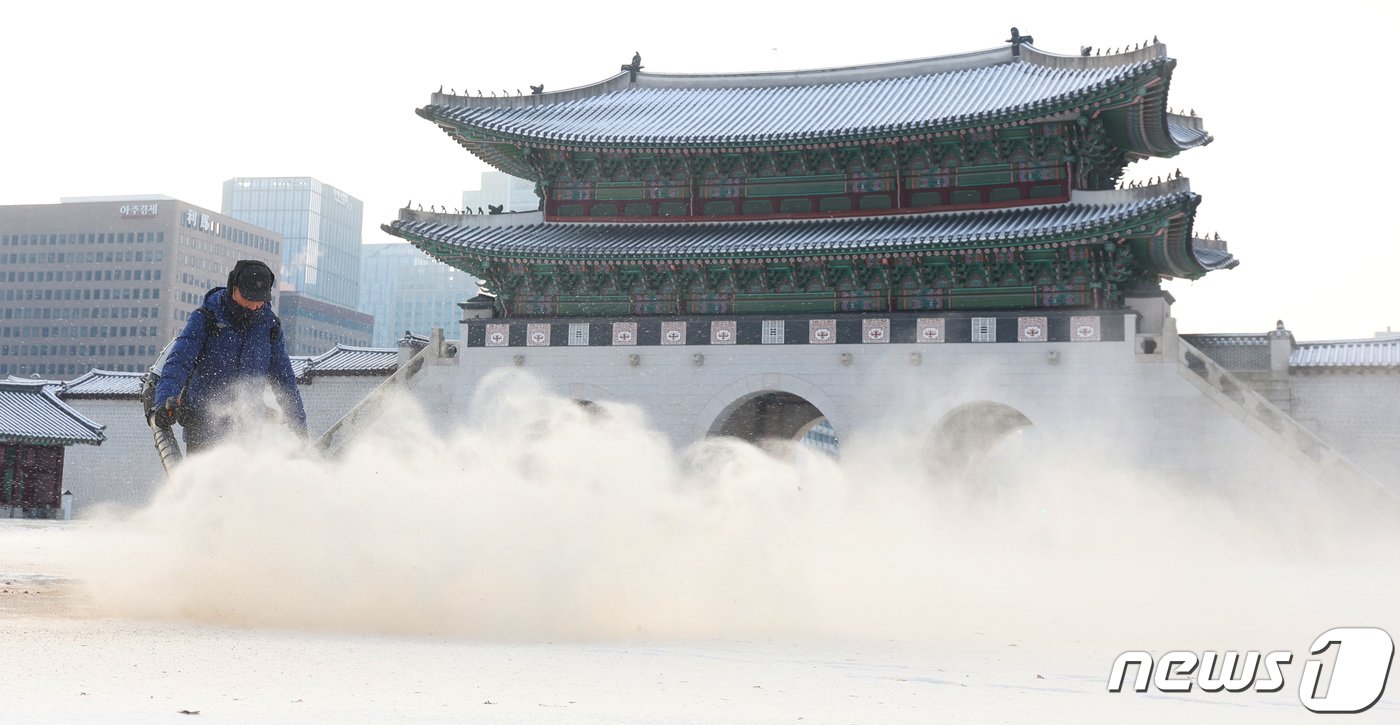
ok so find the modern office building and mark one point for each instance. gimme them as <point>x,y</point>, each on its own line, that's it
<point>313,326</point>
<point>405,289</point>
<point>321,229</point>
<point>511,193</point>
<point>106,282</point>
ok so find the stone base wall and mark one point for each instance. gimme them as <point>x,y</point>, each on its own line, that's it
<point>1132,411</point>
<point>1357,412</point>
<point>124,470</point>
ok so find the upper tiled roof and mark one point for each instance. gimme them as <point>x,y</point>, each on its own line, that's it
<point>1088,214</point>
<point>972,90</point>
<point>31,413</point>
<point>348,360</point>
<point>103,384</point>
<point>1380,352</point>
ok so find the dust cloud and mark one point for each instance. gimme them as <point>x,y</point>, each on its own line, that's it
<point>542,519</point>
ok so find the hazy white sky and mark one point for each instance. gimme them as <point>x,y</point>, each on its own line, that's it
<point>173,98</point>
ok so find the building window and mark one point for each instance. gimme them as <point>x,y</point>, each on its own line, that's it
<point>772,332</point>
<point>984,329</point>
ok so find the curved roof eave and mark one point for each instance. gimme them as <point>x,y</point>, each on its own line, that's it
<point>1212,258</point>
<point>534,240</point>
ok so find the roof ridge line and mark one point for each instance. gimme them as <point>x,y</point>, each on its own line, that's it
<point>810,76</point>
<point>1147,53</point>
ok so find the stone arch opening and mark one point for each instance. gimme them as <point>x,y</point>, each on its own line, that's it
<point>774,415</point>
<point>965,441</point>
<point>592,408</point>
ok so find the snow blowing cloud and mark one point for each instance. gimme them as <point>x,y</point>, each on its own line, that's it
<point>539,518</point>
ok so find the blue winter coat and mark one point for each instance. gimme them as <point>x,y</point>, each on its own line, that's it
<point>235,359</point>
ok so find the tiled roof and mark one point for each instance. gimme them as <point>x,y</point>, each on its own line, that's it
<point>347,360</point>
<point>1213,258</point>
<point>103,384</point>
<point>1227,339</point>
<point>418,342</point>
<point>45,381</point>
<point>961,91</point>
<point>1089,213</point>
<point>1187,131</point>
<point>301,364</point>
<point>1380,352</point>
<point>31,413</point>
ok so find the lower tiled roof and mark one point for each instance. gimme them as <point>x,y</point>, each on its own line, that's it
<point>30,412</point>
<point>788,237</point>
<point>1379,352</point>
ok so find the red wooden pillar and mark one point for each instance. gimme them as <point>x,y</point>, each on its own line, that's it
<point>31,477</point>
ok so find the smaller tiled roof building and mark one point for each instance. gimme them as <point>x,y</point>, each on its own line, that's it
<point>35,429</point>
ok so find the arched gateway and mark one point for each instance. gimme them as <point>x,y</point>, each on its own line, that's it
<point>962,444</point>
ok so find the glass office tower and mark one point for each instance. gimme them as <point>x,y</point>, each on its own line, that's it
<point>320,227</point>
<point>406,289</point>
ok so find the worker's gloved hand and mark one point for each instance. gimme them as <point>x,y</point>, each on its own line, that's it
<point>163,414</point>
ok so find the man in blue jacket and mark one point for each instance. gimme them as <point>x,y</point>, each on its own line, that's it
<point>230,348</point>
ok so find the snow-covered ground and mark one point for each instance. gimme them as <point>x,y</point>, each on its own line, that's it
<point>549,565</point>
<point>67,662</point>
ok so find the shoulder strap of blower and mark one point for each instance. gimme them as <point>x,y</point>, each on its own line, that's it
<point>211,328</point>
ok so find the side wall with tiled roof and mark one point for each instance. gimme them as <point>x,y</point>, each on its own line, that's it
<point>328,398</point>
<point>124,470</point>
<point>1354,407</point>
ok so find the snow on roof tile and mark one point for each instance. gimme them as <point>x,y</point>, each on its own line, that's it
<point>1380,352</point>
<point>806,236</point>
<point>30,412</point>
<point>794,106</point>
<point>98,383</point>
<point>349,360</point>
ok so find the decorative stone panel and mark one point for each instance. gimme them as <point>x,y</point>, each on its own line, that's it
<point>1032,329</point>
<point>624,333</point>
<point>875,331</point>
<point>673,333</point>
<point>930,330</point>
<point>1084,329</point>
